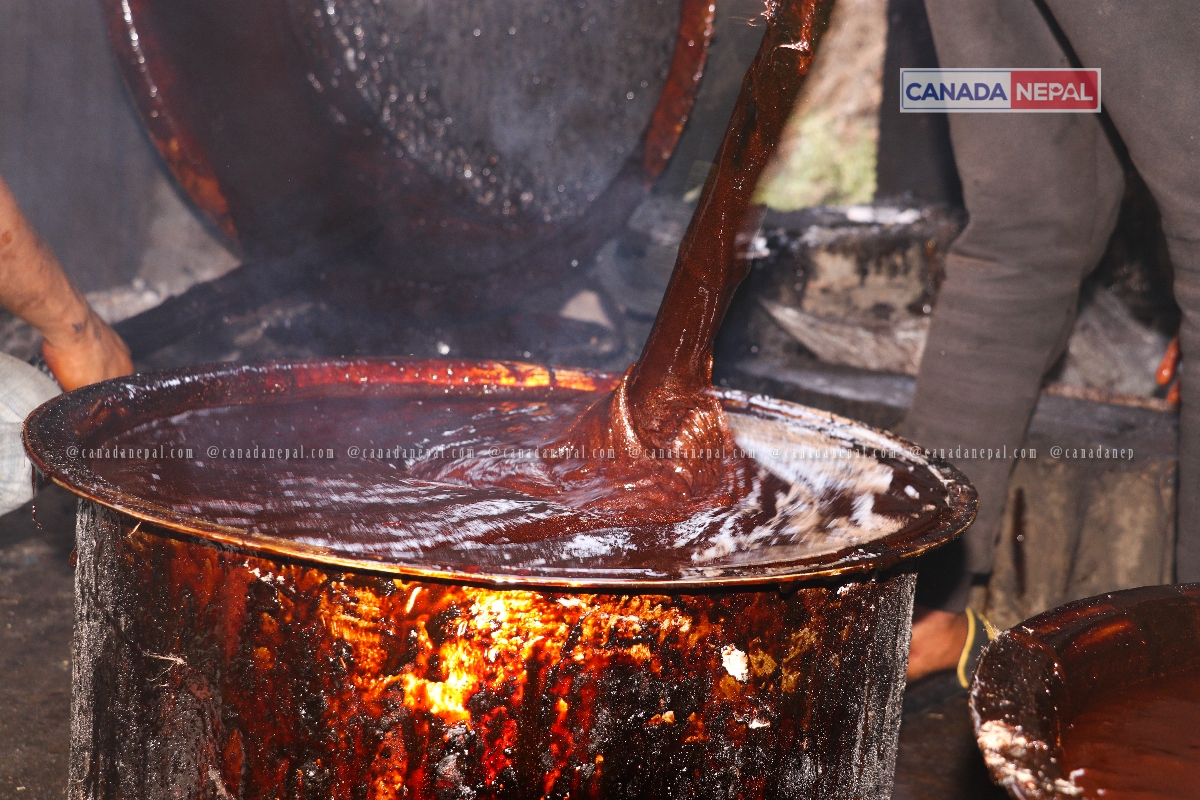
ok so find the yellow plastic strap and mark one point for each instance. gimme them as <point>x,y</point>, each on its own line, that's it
<point>966,653</point>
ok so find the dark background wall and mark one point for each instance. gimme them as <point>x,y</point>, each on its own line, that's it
<point>70,146</point>
<point>915,158</point>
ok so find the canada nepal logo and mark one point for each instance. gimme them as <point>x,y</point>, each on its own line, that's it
<point>1055,90</point>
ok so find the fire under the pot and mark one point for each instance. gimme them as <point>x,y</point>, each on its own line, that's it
<point>262,678</point>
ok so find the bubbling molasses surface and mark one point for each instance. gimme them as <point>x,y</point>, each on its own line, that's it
<point>1139,743</point>
<point>352,477</point>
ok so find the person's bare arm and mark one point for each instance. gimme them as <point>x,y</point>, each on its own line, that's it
<point>79,347</point>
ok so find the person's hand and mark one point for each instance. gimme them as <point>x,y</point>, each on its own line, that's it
<point>78,347</point>
<point>86,352</point>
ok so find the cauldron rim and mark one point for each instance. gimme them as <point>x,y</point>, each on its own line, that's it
<point>58,428</point>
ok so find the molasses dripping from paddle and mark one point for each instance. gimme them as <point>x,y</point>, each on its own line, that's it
<point>664,429</point>
<point>658,448</point>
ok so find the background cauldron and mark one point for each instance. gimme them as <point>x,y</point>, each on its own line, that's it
<point>470,138</point>
<point>214,662</point>
<point>1036,678</point>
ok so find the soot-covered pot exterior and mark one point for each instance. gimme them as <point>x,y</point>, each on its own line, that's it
<point>203,672</point>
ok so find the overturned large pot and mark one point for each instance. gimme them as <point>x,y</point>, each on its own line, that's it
<point>227,645</point>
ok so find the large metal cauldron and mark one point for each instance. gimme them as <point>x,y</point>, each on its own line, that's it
<point>214,662</point>
<point>1035,679</point>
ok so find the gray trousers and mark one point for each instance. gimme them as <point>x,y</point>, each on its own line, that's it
<point>1042,192</point>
